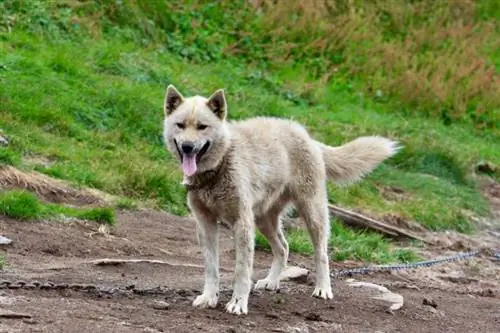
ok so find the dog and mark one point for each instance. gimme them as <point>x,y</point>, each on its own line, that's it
<point>245,174</point>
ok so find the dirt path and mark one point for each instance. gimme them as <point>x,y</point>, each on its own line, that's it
<point>60,253</point>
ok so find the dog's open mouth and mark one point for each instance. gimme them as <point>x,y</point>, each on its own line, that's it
<point>190,161</point>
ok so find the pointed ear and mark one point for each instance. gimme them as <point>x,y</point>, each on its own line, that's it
<point>217,103</point>
<point>173,98</point>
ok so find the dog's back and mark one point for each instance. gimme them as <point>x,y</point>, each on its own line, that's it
<point>283,148</point>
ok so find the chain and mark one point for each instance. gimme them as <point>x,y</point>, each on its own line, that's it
<point>94,289</point>
<point>396,267</point>
<point>130,290</point>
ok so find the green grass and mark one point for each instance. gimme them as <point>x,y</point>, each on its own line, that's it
<point>23,205</point>
<point>86,92</point>
<point>346,244</point>
<point>126,203</point>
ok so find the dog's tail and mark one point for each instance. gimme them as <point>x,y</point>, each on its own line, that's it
<point>352,161</point>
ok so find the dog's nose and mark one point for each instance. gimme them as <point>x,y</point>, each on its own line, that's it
<point>187,147</point>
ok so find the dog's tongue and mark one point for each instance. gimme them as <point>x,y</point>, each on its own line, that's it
<point>189,164</point>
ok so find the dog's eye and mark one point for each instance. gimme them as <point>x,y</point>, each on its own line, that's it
<point>180,125</point>
<point>201,127</point>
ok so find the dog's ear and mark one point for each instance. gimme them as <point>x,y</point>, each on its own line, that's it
<point>173,98</point>
<point>217,103</point>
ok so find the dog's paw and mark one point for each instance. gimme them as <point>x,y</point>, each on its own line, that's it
<point>325,293</point>
<point>267,284</point>
<point>205,301</point>
<point>237,306</point>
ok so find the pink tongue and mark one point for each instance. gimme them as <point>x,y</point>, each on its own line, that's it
<point>189,164</point>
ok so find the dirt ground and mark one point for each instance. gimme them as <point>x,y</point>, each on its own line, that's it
<point>62,253</point>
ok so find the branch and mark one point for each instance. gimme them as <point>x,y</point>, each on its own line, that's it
<point>354,219</point>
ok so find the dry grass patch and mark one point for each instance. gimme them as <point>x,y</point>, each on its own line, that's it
<point>52,190</point>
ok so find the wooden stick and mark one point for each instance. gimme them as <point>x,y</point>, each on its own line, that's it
<point>14,315</point>
<point>115,262</point>
<point>354,219</point>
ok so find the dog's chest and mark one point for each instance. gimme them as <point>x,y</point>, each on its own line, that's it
<point>222,204</point>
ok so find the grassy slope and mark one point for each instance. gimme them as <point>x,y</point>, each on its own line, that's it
<point>23,205</point>
<point>92,108</point>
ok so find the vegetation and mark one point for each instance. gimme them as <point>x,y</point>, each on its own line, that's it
<point>24,205</point>
<point>82,86</point>
<point>346,244</point>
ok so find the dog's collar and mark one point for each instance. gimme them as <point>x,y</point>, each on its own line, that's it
<point>205,179</point>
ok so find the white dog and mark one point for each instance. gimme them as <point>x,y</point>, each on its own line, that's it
<point>246,173</point>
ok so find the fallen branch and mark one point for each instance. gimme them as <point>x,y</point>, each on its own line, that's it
<point>116,262</point>
<point>354,219</point>
<point>14,315</point>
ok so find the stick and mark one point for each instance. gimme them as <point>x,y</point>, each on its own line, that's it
<point>115,262</point>
<point>354,219</point>
<point>14,315</point>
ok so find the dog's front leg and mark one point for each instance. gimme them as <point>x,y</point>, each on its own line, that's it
<point>208,237</point>
<point>244,244</point>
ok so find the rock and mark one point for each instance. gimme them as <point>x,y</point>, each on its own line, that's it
<point>485,167</point>
<point>150,330</point>
<point>3,139</point>
<point>301,328</point>
<point>293,273</point>
<point>458,278</point>
<point>381,293</point>
<point>272,315</point>
<point>430,302</point>
<point>159,305</point>
<point>431,309</point>
<point>313,316</point>
<point>5,240</point>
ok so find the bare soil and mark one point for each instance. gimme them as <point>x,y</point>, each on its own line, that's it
<point>62,253</point>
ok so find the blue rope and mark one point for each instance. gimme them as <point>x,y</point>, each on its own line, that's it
<point>396,267</point>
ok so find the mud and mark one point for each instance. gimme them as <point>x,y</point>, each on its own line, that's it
<point>64,253</point>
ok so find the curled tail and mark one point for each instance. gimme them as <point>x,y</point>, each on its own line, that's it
<point>352,161</point>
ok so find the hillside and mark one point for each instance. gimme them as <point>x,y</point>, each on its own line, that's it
<point>82,87</point>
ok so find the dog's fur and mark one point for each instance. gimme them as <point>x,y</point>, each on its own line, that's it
<point>246,173</point>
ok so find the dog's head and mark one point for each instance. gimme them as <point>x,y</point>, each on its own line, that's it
<point>195,129</point>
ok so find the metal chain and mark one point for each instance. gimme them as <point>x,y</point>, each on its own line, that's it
<point>396,267</point>
<point>91,288</point>
<point>132,290</point>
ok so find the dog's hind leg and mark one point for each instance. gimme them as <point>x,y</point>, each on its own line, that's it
<point>208,237</point>
<point>270,227</point>
<point>314,211</point>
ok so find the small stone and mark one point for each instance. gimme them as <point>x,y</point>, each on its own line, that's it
<point>294,273</point>
<point>278,299</point>
<point>160,305</point>
<point>313,316</point>
<point>5,240</point>
<point>272,315</point>
<point>30,321</point>
<point>4,141</point>
<point>298,329</point>
<point>431,309</point>
<point>430,302</point>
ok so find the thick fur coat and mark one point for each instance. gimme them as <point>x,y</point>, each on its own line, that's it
<point>245,174</point>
